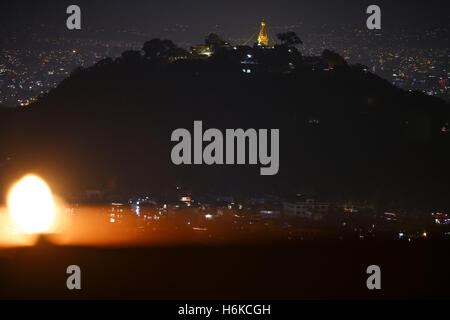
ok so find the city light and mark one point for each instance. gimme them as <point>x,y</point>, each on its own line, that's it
<point>31,205</point>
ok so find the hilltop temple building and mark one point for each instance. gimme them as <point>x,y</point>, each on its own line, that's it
<point>263,38</point>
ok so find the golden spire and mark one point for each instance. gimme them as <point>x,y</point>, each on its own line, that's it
<point>262,37</point>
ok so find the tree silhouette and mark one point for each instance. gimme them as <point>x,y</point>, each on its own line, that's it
<point>289,39</point>
<point>104,62</point>
<point>157,48</point>
<point>333,59</point>
<point>131,56</point>
<point>214,40</point>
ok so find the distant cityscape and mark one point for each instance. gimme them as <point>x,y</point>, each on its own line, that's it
<point>410,60</point>
<point>223,217</point>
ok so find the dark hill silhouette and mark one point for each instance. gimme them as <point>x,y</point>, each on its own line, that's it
<point>346,134</point>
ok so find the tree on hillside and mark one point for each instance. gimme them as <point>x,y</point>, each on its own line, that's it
<point>289,39</point>
<point>131,56</point>
<point>214,40</point>
<point>157,48</point>
<point>333,59</point>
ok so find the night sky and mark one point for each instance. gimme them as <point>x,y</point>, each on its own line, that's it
<point>223,17</point>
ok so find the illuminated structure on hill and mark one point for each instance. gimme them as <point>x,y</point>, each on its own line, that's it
<point>263,38</point>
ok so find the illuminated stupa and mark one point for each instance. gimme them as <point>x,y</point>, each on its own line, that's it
<point>263,38</point>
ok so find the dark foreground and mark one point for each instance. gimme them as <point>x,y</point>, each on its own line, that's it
<point>305,270</point>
